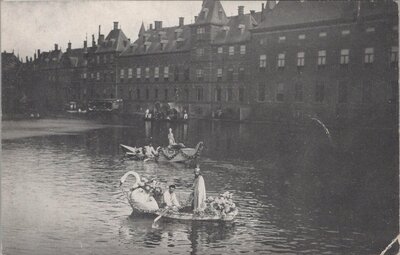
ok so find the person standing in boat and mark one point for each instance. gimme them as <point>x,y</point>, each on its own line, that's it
<point>150,151</point>
<point>170,199</point>
<point>171,141</point>
<point>199,191</point>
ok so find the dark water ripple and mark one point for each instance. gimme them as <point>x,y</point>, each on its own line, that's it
<point>296,193</point>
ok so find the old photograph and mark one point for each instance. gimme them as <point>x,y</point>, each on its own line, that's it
<point>199,127</point>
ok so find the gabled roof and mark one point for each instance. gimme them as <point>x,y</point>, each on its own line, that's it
<point>9,61</point>
<point>211,12</point>
<point>236,30</point>
<point>173,39</point>
<point>74,58</point>
<point>116,40</point>
<point>297,13</point>
<point>142,29</point>
<point>50,59</point>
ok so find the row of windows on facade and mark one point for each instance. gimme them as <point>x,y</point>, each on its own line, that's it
<point>110,58</point>
<point>220,50</point>
<point>320,94</point>
<point>324,34</point>
<point>186,94</point>
<point>344,59</point>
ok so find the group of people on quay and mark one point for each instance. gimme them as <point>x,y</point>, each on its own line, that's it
<point>169,115</point>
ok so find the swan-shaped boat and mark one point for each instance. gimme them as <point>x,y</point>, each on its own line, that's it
<point>176,154</point>
<point>143,202</point>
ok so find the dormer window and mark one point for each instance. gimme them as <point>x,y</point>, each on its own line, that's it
<point>241,28</point>
<point>220,14</point>
<point>205,11</point>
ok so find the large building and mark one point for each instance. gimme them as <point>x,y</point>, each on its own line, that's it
<point>334,60</point>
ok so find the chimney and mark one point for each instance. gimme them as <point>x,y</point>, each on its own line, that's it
<point>157,25</point>
<point>151,27</point>
<point>55,46</point>
<point>240,10</point>
<point>38,53</point>
<point>85,44</point>
<point>93,41</point>
<point>99,30</point>
<point>115,25</point>
<point>100,40</point>
<point>195,18</point>
<point>69,46</point>
<point>30,59</point>
<point>262,7</point>
<point>27,59</point>
<point>181,19</point>
<point>34,56</point>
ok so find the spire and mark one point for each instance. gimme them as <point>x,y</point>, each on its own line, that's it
<point>212,12</point>
<point>142,29</point>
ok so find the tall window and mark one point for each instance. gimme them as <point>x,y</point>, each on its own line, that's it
<point>200,32</point>
<point>241,74</point>
<point>298,92</point>
<point>369,55</point>
<point>321,58</point>
<point>122,75</point>
<point>104,59</point>
<point>176,73</point>
<point>187,74</point>
<point>231,50</point>
<point>218,94</point>
<point>199,94</point>
<point>98,76</point>
<point>200,52</point>
<point>147,73</point>
<point>242,49</point>
<point>344,57</point>
<point>111,58</point>
<point>394,57</point>
<point>130,73</point>
<point>319,92</point>
<point>220,50</point>
<point>300,60</point>
<point>263,62</point>
<point>367,93</point>
<point>281,60</point>
<point>98,59</point>
<point>199,74</point>
<point>166,94</point>
<point>166,73</point>
<point>138,94</point>
<point>156,93</point>
<point>261,92</point>
<point>219,74</point>
<point>156,73</point>
<point>138,73</point>
<point>342,92</point>
<point>241,94</point>
<point>230,74</point>
<point>229,95</point>
<point>280,92</point>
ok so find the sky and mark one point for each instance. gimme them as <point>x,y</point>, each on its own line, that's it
<point>30,25</point>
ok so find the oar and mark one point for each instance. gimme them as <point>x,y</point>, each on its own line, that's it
<point>159,216</point>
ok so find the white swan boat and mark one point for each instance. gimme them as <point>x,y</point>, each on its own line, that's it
<point>143,202</point>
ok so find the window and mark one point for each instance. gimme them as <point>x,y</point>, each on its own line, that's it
<point>111,58</point>
<point>319,92</point>
<point>129,73</point>
<point>138,94</point>
<point>187,95</point>
<point>344,56</point>
<point>298,92</point>
<point>92,75</point>
<point>281,60</point>
<point>263,62</point>
<point>242,49</point>
<point>367,93</point>
<point>138,73</point>
<point>199,74</point>
<point>261,92</point>
<point>369,56</point>
<point>230,74</point>
<point>302,37</point>
<point>370,29</point>
<point>322,34</point>
<point>342,92</point>
<point>229,95</point>
<point>345,32</point>
<point>155,93</point>
<point>282,38</point>
<point>219,74</point>
<point>241,94</point>
<point>231,50</point>
<point>241,74</point>
<point>187,74</point>
<point>98,76</point>
<point>199,94</point>
<point>105,77</point>
<point>176,73</point>
<point>156,73</point>
<point>166,73</point>
<point>321,58</point>
<point>300,59</point>
<point>220,50</point>
<point>147,73</point>
<point>166,94</point>
<point>176,94</point>
<point>201,30</point>
<point>84,76</point>
<point>130,93</point>
<point>147,94</point>
<point>218,94</point>
<point>199,52</point>
<point>122,75</point>
<point>394,92</point>
<point>104,59</point>
<point>280,92</point>
<point>394,57</point>
<point>98,59</point>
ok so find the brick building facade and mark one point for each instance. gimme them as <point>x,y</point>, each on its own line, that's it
<point>335,60</point>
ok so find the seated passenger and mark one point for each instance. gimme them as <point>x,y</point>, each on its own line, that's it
<point>170,199</point>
